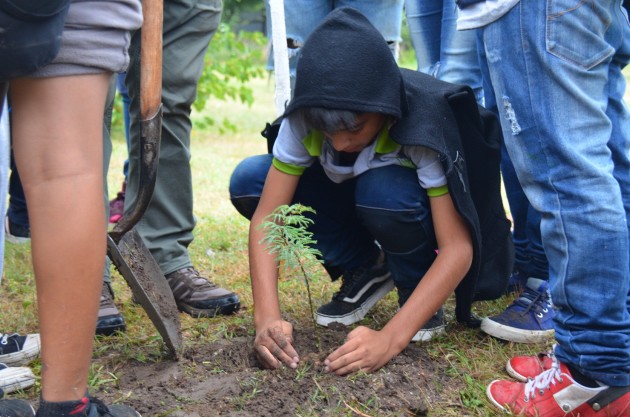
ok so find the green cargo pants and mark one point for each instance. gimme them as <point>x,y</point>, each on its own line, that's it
<point>167,226</point>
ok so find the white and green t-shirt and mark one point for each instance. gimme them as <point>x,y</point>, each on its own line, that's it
<point>296,149</point>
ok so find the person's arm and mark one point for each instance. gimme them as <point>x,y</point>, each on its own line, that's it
<point>369,350</point>
<point>274,336</point>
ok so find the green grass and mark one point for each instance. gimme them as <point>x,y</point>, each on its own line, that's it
<point>220,250</point>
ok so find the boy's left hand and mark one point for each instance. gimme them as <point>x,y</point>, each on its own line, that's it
<point>365,350</point>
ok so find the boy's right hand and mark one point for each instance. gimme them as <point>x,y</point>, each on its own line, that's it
<point>274,345</point>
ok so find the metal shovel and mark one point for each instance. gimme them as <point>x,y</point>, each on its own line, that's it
<point>125,247</point>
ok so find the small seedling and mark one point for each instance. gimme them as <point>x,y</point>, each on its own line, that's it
<point>287,237</point>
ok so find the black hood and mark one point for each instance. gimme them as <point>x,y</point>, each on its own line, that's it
<point>346,64</point>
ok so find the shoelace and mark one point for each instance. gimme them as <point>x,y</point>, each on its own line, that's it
<point>543,381</point>
<point>536,300</point>
<point>4,340</point>
<point>199,282</point>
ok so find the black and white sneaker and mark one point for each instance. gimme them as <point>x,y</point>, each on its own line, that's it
<point>15,378</point>
<point>85,407</point>
<point>15,408</point>
<point>360,290</point>
<point>435,326</point>
<point>16,350</point>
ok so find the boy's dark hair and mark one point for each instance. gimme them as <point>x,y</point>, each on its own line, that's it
<point>325,120</point>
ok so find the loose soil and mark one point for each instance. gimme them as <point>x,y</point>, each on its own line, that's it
<point>224,379</point>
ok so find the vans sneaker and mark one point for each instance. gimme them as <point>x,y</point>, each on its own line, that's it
<point>109,318</point>
<point>16,408</point>
<point>435,326</point>
<point>85,407</point>
<point>529,319</point>
<point>15,378</point>
<point>554,393</point>
<point>200,297</point>
<point>524,368</point>
<point>18,350</point>
<point>360,290</point>
<point>15,233</point>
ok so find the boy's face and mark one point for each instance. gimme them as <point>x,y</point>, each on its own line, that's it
<point>358,136</point>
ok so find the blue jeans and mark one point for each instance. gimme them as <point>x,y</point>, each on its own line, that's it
<point>302,16</point>
<point>386,204</point>
<point>556,73</point>
<point>17,211</point>
<point>441,50</point>
<point>530,259</point>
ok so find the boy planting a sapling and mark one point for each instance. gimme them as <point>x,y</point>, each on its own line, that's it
<point>365,147</point>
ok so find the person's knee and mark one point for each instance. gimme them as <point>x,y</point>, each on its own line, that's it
<point>246,183</point>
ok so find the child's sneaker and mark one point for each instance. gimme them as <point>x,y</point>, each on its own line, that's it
<point>359,291</point>
<point>16,408</point>
<point>524,368</point>
<point>435,326</point>
<point>18,350</point>
<point>86,407</point>
<point>554,393</point>
<point>15,378</point>
<point>529,319</point>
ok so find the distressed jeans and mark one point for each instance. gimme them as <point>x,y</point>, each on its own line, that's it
<point>385,204</point>
<point>556,74</point>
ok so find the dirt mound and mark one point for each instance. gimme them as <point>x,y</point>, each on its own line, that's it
<point>223,379</point>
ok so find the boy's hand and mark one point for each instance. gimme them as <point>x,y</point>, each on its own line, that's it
<point>274,345</point>
<point>365,349</point>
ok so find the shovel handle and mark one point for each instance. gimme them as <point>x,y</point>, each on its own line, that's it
<point>151,58</point>
<point>150,113</point>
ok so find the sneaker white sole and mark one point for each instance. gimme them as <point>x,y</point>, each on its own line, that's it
<point>15,379</point>
<point>512,334</point>
<point>428,334</point>
<point>360,312</point>
<point>29,352</point>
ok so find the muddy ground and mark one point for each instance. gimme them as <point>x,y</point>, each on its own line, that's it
<point>224,379</point>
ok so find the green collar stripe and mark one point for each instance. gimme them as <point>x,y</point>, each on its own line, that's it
<point>384,143</point>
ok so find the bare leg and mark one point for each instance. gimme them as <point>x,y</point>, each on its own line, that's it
<point>58,149</point>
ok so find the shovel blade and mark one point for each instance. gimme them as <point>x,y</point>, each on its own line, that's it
<point>148,285</point>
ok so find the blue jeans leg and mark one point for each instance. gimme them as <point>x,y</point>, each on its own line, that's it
<point>17,211</point>
<point>343,241</point>
<point>441,50</point>
<point>568,133</point>
<point>529,255</point>
<point>396,211</point>
<point>302,16</point>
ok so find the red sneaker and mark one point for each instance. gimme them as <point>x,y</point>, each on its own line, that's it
<point>554,393</point>
<point>523,368</point>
